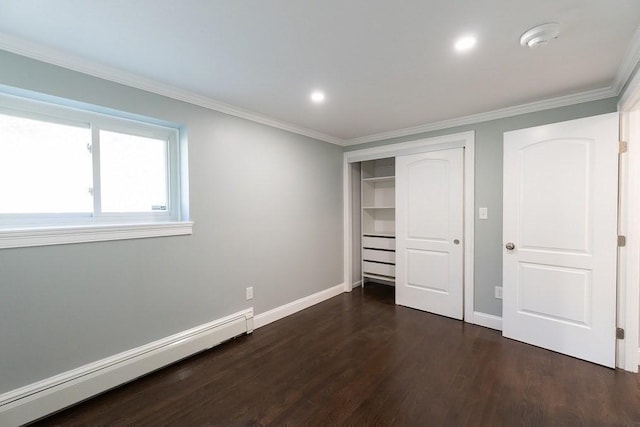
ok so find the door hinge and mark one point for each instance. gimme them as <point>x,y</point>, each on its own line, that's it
<point>622,241</point>
<point>622,147</point>
<point>619,333</point>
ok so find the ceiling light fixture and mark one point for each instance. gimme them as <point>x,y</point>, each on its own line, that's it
<point>540,35</point>
<point>465,43</point>
<point>317,96</point>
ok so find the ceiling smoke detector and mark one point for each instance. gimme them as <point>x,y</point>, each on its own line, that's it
<point>540,35</point>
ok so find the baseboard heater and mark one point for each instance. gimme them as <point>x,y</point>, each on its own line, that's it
<point>45,397</point>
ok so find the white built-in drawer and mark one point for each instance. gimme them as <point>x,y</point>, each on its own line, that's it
<point>379,242</point>
<point>377,255</point>
<point>377,268</point>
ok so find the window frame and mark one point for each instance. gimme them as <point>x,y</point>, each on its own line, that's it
<point>35,229</point>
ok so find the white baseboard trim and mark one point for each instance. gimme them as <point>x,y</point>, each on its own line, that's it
<point>283,311</point>
<point>39,399</point>
<point>356,284</point>
<point>487,320</point>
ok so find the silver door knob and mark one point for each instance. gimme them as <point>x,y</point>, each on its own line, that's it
<point>456,242</point>
<point>510,246</point>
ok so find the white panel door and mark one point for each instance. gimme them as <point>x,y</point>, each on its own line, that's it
<point>560,236</point>
<point>429,231</point>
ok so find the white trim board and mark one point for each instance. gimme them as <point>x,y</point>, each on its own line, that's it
<point>41,53</point>
<point>623,74</point>
<point>487,320</point>
<point>628,310</point>
<point>283,311</point>
<point>37,400</point>
<point>45,236</point>
<point>516,110</point>
<point>72,62</point>
<point>628,64</point>
<point>464,139</point>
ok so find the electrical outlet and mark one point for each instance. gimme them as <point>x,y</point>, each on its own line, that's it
<point>249,293</point>
<point>498,291</point>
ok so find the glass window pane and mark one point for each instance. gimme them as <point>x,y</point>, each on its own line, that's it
<point>44,167</point>
<point>133,173</point>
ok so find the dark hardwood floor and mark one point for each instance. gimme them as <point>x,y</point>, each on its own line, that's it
<point>359,360</point>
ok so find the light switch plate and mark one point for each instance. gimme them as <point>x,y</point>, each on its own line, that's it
<point>498,292</point>
<point>483,213</point>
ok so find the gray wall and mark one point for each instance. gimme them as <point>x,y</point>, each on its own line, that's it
<point>488,187</point>
<point>267,206</point>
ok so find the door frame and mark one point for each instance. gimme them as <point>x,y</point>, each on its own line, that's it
<point>628,311</point>
<point>464,140</point>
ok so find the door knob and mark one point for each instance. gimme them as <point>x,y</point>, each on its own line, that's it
<point>510,246</point>
<point>456,242</point>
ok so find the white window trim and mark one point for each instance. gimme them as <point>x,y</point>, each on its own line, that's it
<point>45,236</point>
<point>42,230</point>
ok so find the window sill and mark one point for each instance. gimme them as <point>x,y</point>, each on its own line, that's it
<point>45,236</point>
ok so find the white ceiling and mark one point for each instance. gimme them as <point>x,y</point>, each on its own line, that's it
<point>385,65</point>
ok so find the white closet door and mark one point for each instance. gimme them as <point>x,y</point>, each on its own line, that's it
<point>560,232</point>
<point>429,232</point>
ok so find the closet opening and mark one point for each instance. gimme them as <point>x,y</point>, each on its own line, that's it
<point>378,221</point>
<point>371,221</point>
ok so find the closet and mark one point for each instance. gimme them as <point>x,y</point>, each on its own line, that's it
<point>378,221</point>
<point>412,227</point>
<point>409,221</point>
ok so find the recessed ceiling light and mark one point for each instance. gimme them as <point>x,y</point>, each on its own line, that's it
<point>317,96</point>
<point>465,43</point>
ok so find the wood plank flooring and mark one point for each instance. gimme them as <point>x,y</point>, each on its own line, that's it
<point>359,360</point>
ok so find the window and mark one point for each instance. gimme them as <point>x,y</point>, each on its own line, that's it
<point>32,180</point>
<point>133,173</point>
<point>65,169</point>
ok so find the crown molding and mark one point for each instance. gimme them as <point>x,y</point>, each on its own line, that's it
<point>630,96</point>
<point>623,77</point>
<point>628,64</point>
<point>72,62</point>
<point>562,101</point>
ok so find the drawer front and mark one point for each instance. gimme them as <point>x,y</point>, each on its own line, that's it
<point>378,242</point>
<point>382,269</point>
<point>381,256</point>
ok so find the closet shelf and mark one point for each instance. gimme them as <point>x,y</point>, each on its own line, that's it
<point>390,178</point>
<point>378,234</point>
<point>379,277</point>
